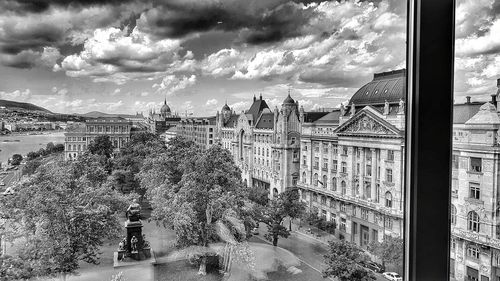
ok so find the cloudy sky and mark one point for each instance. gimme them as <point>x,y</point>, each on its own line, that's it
<point>124,56</point>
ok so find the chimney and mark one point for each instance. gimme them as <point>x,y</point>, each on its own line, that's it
<point>468,99</point>
<point>494,100</point>
<point>254,99</point>
<point>498,83</point>
<point>260,96</point>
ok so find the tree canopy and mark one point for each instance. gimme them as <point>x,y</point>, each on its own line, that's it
<point>286,204</point>
<point>63,213</point>
<point>390,250</point>
<point>343,262</point>
<point>101,145</point>
<point>200,198</point>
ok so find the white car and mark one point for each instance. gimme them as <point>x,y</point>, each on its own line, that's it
<point>393,276</point>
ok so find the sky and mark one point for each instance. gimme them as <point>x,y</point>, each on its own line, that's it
<point>127,56</point>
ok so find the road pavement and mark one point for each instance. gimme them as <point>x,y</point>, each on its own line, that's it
<point>307,248</point>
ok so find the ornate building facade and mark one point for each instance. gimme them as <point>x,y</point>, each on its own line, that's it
<point>265,143</point>
<point>79,136</point>
<point>352,162</point>
<point>475,190</point>
<point>160,122</point>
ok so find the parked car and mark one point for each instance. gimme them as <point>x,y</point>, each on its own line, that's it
<point>375,267</point>
<point>393,276</point>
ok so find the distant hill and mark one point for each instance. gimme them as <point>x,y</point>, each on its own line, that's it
<point>98,114</point>
<point>23,105</point>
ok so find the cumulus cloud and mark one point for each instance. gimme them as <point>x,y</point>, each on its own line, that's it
<point>211,102</point>
<point>171,83</point>
<point>17,95</point>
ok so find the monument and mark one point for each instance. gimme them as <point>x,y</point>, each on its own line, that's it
<point>134,247</point>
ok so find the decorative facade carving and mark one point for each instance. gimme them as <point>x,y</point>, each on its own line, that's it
<point>366,125</point>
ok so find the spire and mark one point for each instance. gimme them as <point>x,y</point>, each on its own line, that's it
<point>261,96</point>
<point>254,99</point>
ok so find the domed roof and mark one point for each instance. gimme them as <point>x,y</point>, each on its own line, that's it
<point>386,86</point>
<point>487,114</point>
<point>165,108</point>
<point>288,100</point>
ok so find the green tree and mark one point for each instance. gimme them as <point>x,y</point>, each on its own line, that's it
<point>16,159</point>
<point>129,161</point>
<point>202,205</point>
<point>31,166</point>
<point>101,145</point>
<point>343,262</point>
<point>64,212</point>
<point>287,204</point>
<point>390,250</point>
<point>32,155</point>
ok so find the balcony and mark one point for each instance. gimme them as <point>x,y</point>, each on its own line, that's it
<point>474,201</point>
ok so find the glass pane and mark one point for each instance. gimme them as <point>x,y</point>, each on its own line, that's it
<point>260,139</point>
<point>475,235</point>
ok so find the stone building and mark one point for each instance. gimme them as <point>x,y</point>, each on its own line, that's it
<point>160,122</point>
<point>201,130</point>
<point>475,192</point>
<point>352,162</point>
<point>265,143</point>
<point>79,136</point>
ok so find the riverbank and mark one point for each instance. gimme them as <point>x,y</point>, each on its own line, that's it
<point>24,143</point>
<point>31,133</point>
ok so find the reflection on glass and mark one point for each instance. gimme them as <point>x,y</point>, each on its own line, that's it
<point>475,232</point>
<point>205,139</point>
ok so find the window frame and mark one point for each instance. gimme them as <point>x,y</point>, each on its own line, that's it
<point>428,149</point>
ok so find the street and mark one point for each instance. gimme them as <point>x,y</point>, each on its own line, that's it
<point>306,248</point>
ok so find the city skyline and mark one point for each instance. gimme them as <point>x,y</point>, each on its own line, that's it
<point>126,57</point>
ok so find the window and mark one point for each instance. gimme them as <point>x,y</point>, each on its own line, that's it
<point>454,161</point>
<point>364,214</point>
<point>388,223</point>
<point>334,165</point>
<point>332,204</point>
<point>304,177</point>
<point>343,167</point>
<point>474,191</point>
<point>357,168</point>
<point>316,163</point>
<point>334,149</point>
<point>388,199</point>
<point>368,170</point>
<point>342,225</point>
<point>344,150</point>
<point>473,251</point>
<point>475,164</point>
<point>325,164</point>
<point>295,155</point>
<point>315,197</point>
<point>325,148</point>
<point>343,186</point>
<point>316,147</point>
<point>334,184</point>
<point>473,221</point>
<point>315,180</point>
<point>390,155</point>
<point>342,207</point>
<point>453,215</point>
<point>323,200</point>
<point>388,175</point>
<point>325,181</point>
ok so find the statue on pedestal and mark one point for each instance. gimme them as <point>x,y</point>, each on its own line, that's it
<point>134,211</point>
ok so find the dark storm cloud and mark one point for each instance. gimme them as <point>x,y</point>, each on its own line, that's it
<point>277,21</point>
<point>15,41</point>
<point>39,6</point>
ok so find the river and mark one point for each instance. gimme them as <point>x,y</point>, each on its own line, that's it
<point>22,144</point>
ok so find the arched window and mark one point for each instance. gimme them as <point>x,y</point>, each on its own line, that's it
<point>315,180</point>
<point>304,177</point>
<point>334,184</point>
<point>453,214</point>
<point>344,187</point>
<point>275,192</point>
<point>473,221</point>
<point>388,199</point>
<point>368,190</point>
<point>325,182</point>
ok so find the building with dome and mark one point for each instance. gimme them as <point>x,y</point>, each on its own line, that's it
<point>352,162</point>
<point>160,122</point>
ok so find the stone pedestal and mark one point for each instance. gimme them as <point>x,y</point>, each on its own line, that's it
<point>134,228</point>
